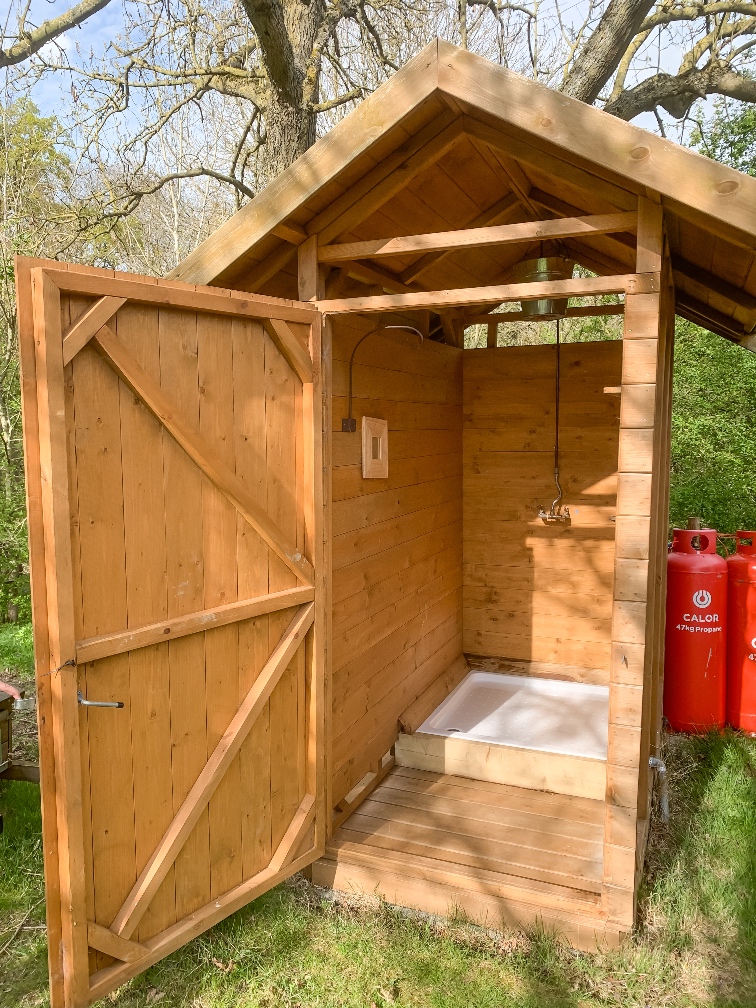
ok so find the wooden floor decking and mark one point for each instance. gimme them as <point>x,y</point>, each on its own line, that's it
<point>501,854</point>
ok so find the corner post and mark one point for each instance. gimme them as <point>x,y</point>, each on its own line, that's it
<point>640,568</point>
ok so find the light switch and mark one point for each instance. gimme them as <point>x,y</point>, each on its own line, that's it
<point>374,448</point>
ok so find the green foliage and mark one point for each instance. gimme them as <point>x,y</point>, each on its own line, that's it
<point>713,437</point>
<point>728,136</point>
<point>16,648</point>
<point>33,174</point>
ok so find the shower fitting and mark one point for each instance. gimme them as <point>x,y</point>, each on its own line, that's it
<point>556,514</point>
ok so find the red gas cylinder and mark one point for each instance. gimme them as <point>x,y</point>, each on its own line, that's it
<point>696,642</point>
<point>741,634</point>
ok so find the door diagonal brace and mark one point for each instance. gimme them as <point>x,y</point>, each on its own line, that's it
<point>229,484</point>
<point>174,838</point>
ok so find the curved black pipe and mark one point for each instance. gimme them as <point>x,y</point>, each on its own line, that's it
<point>349,424</point>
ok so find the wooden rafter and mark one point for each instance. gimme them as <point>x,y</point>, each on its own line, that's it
<point>484,237</point>
<point>83,329</point>
<point>702,278</point>
<point>174,838</point>
<point>229,484</point>
<point>630,283</point>
<point>369,273</point>
<point>502,140</point>
<point>384,181</point>
<point>95,648</point>
<point>709,318</point>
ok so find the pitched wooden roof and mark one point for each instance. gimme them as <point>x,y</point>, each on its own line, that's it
<point>454,141</point>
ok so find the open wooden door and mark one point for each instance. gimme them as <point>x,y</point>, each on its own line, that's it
<point>173,438</point>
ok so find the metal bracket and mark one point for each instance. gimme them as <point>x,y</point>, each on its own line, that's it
<point>98,703</point>
<point>25,704</point>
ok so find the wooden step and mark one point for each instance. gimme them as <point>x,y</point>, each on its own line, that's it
<point>499,853</point>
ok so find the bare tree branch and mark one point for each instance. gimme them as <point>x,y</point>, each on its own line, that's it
<point>32,40</point>
<point>677,93</point>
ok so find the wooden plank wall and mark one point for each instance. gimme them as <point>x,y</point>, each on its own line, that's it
<point>397,554</point>
<point>534,592</point>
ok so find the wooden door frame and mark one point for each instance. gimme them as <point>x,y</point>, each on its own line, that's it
<point>45,350</point>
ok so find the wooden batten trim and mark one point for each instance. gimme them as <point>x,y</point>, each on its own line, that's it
<point>620,826</point>
<point>361,790</point>
<point>482,237</point>
<point>636,626</point>
<point>229,484</point>
<point>290,347</point>
<point>628,283</point>
<point>108,645</point>
<point>163,293</point>
<point>294,835</point>
<point>83,329</point>
<point>106,980</point>
<point>136,903</point>
<point>103,939</point>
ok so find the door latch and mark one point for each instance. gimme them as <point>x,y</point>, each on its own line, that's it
<point>98,703</point>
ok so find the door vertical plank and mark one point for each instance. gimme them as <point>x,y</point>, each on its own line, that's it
<point>252,564</point>
<point>215,361</point>
<point>182,482</point>
<point>72,307</point>
<point>31,434</point>
<point>146,592</point>
<point>280,418</point>
<point>48,338</point>
<point>103,609</point>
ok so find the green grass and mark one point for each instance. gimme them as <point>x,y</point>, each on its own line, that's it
<point>695,945</point>
<point>16,649</point>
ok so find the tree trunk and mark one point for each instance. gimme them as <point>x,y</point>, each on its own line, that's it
<point>289,32</point>
<point>605,47</point>
<point>289,131</point>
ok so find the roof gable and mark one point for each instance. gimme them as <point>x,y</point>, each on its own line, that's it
<point>447,97</point>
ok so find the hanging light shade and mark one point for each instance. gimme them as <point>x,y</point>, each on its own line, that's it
<point>545,268</point>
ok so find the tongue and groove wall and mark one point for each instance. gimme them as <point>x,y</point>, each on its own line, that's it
<point>533,592</point>
<point>397,542</point>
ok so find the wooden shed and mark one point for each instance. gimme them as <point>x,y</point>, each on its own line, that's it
<point>283,601</point>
